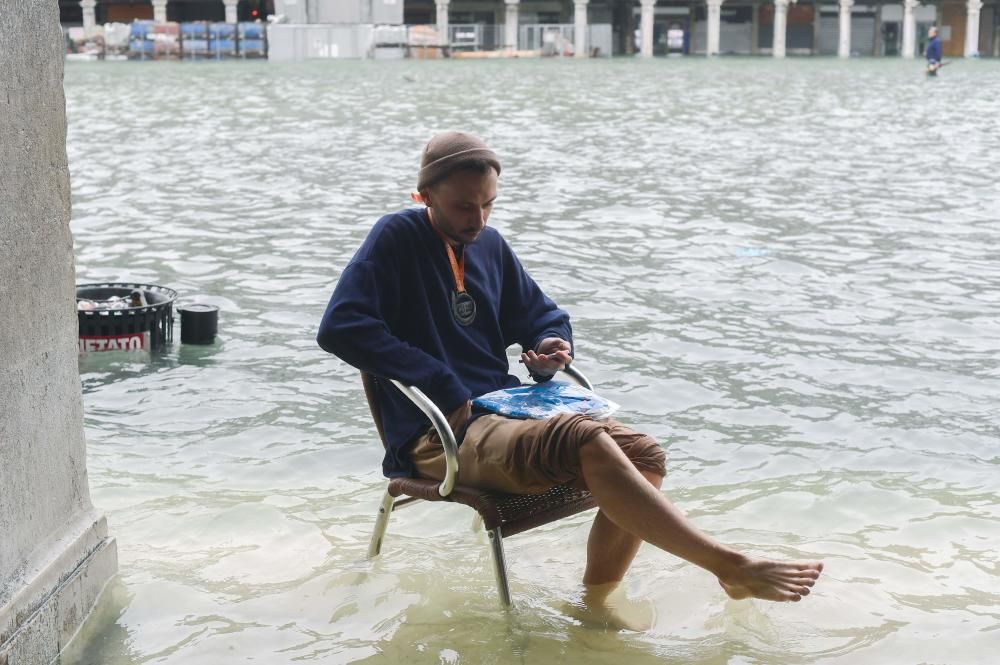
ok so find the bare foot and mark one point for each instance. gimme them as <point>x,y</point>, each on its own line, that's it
<point>781,581</point>
<point>606,606</point>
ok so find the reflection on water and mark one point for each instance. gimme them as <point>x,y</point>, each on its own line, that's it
<point>783,270</point>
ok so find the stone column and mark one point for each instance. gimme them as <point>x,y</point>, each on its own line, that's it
<point>755,30</point>
<point>909,29</point>
<point>442,19</point>
<point>646,28</point>
<point>877,41</point>
<point>511,24</point>
<point>160,11</point>
<point>231,10</point>
<point>780,27</point>
<point>714,26</point>
<point>844,46</point>
<point>89,19</point>
<point>55,553</point>
<point>580,41</point>
<point>816,29</point>
<point>972,28</point>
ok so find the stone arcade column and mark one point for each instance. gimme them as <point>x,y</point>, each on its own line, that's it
<point>844,46</point>
<point>815,29</point>
<point>909,29</point>
<point>877,36</point>
<point>714,26</point>
<point>511,24</point>
<point>973,8</point>
<point>646,28</point>
<point>231,10</point>
<point>160,11</point>
<point>780,28</point>
<point>55,553</point>
<point>442,18</point>
<point>580,41</point>
<point>89,18</point>
<point>755,30</point>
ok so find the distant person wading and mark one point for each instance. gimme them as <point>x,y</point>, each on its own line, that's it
<point>933,52</point>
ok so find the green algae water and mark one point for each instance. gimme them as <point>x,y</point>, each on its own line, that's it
<point>785,271</point>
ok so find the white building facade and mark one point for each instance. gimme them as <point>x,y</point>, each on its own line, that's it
<point>647,27</point>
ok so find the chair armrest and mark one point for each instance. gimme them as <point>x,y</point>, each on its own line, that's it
<point>440,423</point>
<point>447,437</point>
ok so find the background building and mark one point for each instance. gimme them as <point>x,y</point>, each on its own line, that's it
<point>124,11</point>
<point>822,27</point>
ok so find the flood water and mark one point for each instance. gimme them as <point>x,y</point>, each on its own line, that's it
<point>785,271</point>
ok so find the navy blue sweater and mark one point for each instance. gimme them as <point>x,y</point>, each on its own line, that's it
<point>934,50</point>
<point>390,315</point>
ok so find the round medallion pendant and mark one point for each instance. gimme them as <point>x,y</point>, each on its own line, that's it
<point>463,307</point>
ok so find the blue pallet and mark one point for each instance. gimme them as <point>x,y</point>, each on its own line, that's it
<point>252,46</point>
<point>141,28</point>
<point>224,46</point>
<point>194,30</point>
<point>251,31</point>
<point>222,30</point>
<point>195,46</point>
<point>141,46</point>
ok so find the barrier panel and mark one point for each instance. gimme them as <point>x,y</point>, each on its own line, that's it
<point>288,42</point>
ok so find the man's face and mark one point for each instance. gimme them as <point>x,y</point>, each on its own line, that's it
<point>461,203</point>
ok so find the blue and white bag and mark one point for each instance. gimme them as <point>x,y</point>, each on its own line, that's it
<point>544,400</point>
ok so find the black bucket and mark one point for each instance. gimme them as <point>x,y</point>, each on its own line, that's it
<point>140,328</point>
<point>199,323</point>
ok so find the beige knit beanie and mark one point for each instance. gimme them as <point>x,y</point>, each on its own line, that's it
<point>447,150</point>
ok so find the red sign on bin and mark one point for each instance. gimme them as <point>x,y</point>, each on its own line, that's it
<point>130,342</point>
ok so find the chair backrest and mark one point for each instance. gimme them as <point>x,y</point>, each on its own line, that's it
<point>370,383</point>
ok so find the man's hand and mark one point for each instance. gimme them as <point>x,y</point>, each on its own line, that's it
<point>551,356</point>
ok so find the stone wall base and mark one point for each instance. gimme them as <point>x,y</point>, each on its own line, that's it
<point>39,621</point>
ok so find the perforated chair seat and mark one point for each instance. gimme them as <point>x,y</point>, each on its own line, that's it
<point>511,513</point>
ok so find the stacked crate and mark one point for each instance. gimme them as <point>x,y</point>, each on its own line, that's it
<point>222,40</point>
<point>140,40</point>
<point>252,40</point>
<point>194,39</point>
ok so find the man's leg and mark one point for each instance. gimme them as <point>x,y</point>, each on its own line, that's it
<point>632,503</point>
<point>610,549</point>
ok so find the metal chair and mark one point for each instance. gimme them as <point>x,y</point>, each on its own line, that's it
<point>502,514</point>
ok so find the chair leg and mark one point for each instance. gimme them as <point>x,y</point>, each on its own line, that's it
<point>381,524</point>
<point>500,567</point>
<point>477,523</point>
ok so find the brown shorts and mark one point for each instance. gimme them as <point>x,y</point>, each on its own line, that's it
<point>530,456</point>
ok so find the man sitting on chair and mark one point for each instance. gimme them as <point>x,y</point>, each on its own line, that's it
<point>432,299</point>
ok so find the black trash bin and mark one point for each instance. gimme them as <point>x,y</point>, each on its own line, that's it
<point>142,328</point>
